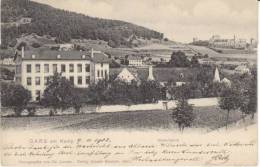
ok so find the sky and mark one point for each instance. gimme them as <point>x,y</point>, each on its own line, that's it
<point>179,20</point>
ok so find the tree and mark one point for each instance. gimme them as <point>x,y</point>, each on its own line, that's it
<point>97,92</point>
<point>229,100</point>
<point>179,59</point>
<point>248,95</point>
<point>60,94</point>
<point>22,44</point>
<point>194,62</point>
<point>14,96</point>
<point>150,91</point>
<point>183,114</point>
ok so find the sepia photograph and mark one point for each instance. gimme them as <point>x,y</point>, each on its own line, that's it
<point>129,82</point>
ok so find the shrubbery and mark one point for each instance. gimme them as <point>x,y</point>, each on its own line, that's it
<point>14,96</point>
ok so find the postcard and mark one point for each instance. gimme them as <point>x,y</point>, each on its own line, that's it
<point>119,82</point>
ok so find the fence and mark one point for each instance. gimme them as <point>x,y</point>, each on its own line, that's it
<point>161,105</point>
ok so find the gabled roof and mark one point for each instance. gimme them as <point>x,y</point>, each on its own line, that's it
<point>242,67</point>
<point>65,55</point>
<point>160,74</point>
<point>127,75</point>
<point>52,55</point>
<point>100,58</point>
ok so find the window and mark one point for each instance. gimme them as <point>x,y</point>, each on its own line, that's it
<point>63,68</point>
<point>79,67</point>
<point>71,66</point>
<point>63,78</point>
<point>38,68</point>
<point>101,64</point>
<point>87,79</point>
<point>46,80</point>
<point>98,73</point>
<point>46,68</point>
<point>18,69</point>
<point>29,81</point>
<point>54,68</point>
<point>37,80</point>
<point>29,68</point>
<point>105,73</point>
<point>79,80</point>
<point>18,79</point>
<point>72,79</point>
<point>38,95</point>
<point>87,67</point>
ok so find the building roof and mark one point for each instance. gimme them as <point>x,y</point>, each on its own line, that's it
<point>65,55</point>
<point>127,76</point>
<point>241,68</point>
<point>160,74</point>
<point>100,58</point>
<point>131,57</point>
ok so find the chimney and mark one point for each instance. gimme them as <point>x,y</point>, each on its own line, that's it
<point>92,53</point>
<point>22,51</point>
<point>150,76</point>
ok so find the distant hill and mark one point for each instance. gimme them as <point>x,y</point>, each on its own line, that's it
<point>26,17</point>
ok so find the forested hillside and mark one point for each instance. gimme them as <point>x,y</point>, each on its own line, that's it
<point>65,25</point>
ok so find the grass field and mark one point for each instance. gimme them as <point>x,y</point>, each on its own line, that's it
<point>208,118</point>
<point>211,53</point>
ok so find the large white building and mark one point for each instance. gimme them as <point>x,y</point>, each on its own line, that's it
<point>217,41</point>
<point>135,61</point>
<point>34,68</point>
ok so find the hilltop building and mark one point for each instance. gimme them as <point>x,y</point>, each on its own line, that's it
<point>218,42</point>
<point>34,68</point>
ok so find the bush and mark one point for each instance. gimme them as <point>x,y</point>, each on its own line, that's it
<point>14,96</point>
<point>60,94</point>
<point>179,59</point>
<point>31,111</point>
<point>36,45</point>
<point>183,115</point>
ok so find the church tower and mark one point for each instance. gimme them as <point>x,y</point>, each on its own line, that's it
<point>216,76</point>
<point>150,75</point>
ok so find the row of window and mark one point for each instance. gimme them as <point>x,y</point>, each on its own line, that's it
<point>102,73</point>
<point>55,68</point>
<point>46,80</point>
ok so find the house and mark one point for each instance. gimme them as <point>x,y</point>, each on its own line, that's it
<point>176,76</point>
<point>66,46</point>
<point>34,68</point>
<point>135,61</point>
<point>24,20</point>
<point>226,81</point>
<point>8,61</point>
<point>242,69</point>
<point>127,76</point>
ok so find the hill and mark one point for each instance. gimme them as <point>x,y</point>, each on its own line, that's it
<point>26,17</point>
